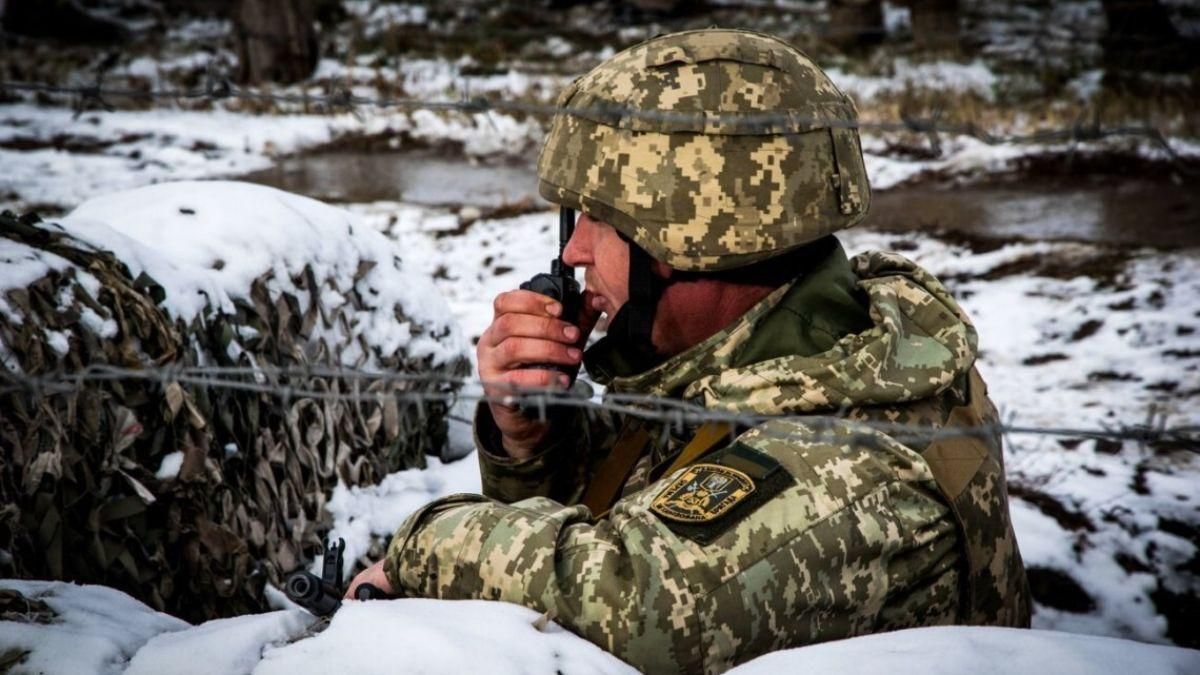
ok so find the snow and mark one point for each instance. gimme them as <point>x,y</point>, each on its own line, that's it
<point>375,511</point>
<point>896,17</point>
<point>206,242</point>
<point>96,630</point>
<point>962,156</point>
<point>123,149</point>
<point>24,265</point>
<point>103,631</point>
<point>1123,607</point>
<point>230,646</point>
<point>438,636</point>
<point>379,18</point>
<point>944,76</point>
<point>140,147</point>
<point>1086,85</point>
<point>492,256</point>
<point>136,148</point>
<point>981,651</point>
<point>170,465</point>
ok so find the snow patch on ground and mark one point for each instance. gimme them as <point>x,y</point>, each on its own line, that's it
<point>961,157</point>
<point>73,159</point>
<point>489,257</point>
<point>945,76</point>
<point>133,148</point>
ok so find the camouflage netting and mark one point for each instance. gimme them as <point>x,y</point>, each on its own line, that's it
<point>85,490</point>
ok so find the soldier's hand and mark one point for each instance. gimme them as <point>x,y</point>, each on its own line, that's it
<point>527,328</point>
<point>373,575</point>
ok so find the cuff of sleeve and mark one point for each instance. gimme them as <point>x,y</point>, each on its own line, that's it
<point>491,445</point>
<point>508,479</point>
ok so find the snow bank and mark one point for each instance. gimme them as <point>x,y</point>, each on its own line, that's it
<point>205,242</point>
<point>980,651</point>
<point>439,636</point>
<point>96,630</point>
<point>100,630</point>
<point>225,646</point>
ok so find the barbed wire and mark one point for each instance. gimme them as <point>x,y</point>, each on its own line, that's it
<point>217,88</point>
<point>447,390</point>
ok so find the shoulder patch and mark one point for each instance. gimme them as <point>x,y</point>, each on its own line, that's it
<point>703,492</point>
<point>709,498</point>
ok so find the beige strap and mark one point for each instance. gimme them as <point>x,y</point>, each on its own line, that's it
<point>707,436</point>
<point>609,479</point>
<point>606,483</point>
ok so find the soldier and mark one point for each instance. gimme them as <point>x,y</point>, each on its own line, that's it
<point>706,238</point>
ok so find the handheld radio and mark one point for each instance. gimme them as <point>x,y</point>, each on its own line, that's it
<point>559,283</point>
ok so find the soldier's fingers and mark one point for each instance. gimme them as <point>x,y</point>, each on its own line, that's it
<point>527,325</point>
<point>516,352</point>
<point>525,302</point>
<point>527,379</point>
<point>589,315</point>
<point>373,575</point>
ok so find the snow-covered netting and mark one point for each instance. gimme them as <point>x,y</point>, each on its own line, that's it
<point>189,492</point>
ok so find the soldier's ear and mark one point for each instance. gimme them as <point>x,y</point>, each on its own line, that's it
<point>662,269</point>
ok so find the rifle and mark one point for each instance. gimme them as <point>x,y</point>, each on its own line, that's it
<point>322,596</point>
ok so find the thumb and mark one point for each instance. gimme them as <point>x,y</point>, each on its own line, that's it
<point>588,316</point>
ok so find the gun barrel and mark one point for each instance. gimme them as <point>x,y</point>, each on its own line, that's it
<point>308,591</point>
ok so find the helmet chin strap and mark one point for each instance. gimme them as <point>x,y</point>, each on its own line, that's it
<point>632,325</point>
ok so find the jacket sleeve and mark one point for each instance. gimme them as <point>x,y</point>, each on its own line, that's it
<point>856,540</point>
<point>559,470</point>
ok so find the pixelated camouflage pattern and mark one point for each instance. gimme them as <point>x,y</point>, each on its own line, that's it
<point>747,151</point>
<point>921,343</point>
<point>859,543</point>
<point>877,532</point>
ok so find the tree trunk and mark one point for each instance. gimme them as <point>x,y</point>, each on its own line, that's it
<point>1141,36</point>
<point>277,40</point>
<point>855,23</point>
<point>935,23</point>
<point>66,20</point>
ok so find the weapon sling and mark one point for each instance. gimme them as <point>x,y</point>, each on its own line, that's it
<point>606,484</point>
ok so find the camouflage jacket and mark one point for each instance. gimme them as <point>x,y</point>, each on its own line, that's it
<point>815,528</point>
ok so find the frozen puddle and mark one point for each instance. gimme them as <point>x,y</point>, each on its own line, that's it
<point>1109,210</point>
<point>1140,212</point>
<point>413,177</point>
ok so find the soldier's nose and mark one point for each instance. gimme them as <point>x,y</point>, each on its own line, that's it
<point>578,251</point>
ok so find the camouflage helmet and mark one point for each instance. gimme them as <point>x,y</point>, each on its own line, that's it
<point>711,149</point>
